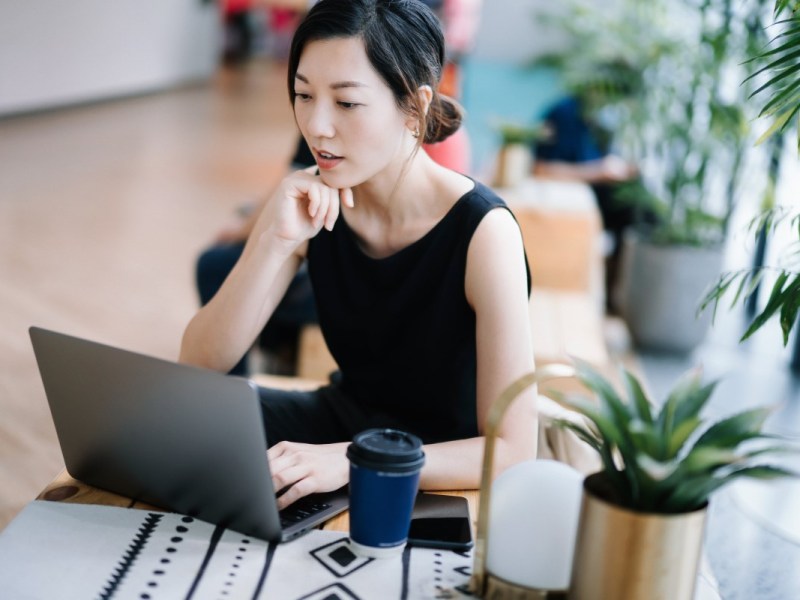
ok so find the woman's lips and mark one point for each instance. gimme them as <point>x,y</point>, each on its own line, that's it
<point>326,160</point>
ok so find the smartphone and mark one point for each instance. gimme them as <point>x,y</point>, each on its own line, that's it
<point>440,521</point>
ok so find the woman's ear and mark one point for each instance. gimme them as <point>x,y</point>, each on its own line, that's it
<point>425,97</point>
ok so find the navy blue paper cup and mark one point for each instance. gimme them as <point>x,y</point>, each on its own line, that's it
<point>384,477</point>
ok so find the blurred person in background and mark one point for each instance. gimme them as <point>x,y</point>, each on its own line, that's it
<point>577,149</point>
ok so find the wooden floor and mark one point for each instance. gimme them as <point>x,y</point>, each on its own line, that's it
<point>103,210</point>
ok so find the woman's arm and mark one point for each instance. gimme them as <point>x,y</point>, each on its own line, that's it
<point>609,169</point>
<point>496,287</point>
<point>223,330</point>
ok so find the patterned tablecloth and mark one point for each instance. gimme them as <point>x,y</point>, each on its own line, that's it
<point>58,550</point>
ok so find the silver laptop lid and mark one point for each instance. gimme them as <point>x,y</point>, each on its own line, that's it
<point>172,435</point>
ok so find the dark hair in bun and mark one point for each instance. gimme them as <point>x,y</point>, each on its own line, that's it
<point>404,43</point>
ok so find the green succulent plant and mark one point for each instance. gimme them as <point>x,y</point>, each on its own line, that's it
<point>515,133</point>
<point>669,460</point>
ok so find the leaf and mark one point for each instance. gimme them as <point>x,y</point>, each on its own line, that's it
<point>605,452</point>
<point>606,427</point>
<point>788,72</point>
<point>707,458</point>
<point>658,470</point>
<point>790,46</point>
<point>787,95</point>
<point>780,123</point>
<point>688,384</point>
<point>695,400</point>
<point>594,381</point>
<point>775,301</point>
<point>638,397</point>
<point>735,429</point>
<point>782,5</point>
<point>716,292</point>
<point>646,438</point>
<point>742,283</point>
<point>789,308</point>
<point>583,433</point>
<point>681,434</point>
<point>693,492</point>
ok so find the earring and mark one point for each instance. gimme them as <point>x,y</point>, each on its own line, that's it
<point>415,133</point>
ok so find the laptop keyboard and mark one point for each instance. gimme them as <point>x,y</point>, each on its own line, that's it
<point>301,510</point>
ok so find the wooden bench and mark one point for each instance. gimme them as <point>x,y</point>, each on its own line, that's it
<point>563,234</point>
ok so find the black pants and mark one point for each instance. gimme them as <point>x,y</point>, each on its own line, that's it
<point>323,416</point>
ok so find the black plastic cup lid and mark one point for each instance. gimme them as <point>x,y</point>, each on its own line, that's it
<point>387,450</point>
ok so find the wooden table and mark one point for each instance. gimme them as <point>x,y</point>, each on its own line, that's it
<point>65,488</point>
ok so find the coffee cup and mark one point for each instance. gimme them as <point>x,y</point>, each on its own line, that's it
<point>384,477</point>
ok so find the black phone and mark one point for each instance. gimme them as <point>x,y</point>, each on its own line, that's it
<point>440,521</point>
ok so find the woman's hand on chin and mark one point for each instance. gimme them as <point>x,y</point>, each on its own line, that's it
<point>303,469</point>
<point>303,205</point>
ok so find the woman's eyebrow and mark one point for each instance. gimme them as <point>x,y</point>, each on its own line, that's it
<point>337,85</point>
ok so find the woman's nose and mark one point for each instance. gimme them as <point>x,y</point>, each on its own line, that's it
<point>320,122</point>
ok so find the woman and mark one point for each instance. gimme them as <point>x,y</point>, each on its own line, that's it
<point>419,272</point>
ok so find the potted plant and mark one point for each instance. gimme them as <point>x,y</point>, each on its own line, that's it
<point>686,128</point>
<point>693,152</point>
<point>783,69</point>
<point>643,515</point>
<point>514,156</point>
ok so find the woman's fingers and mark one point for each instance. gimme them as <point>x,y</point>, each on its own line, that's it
<point>346,196</point>
<point>321,203</point>
<point>333,211</point>
<point>301,469</point>
<point>287,477</point>
<point>292,471</point>
<point>329,208</point>
<point>302,488</point>
<point>314,200</point>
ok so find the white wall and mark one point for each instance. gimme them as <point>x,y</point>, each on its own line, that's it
<point>509,31</point>
<point>54,52</point>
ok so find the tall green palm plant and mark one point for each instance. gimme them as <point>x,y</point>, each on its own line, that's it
<point>781,60</point>
<point>781,64</point>
<point>784,298</point>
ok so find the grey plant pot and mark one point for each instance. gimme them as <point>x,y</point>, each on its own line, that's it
<point>660,289</point>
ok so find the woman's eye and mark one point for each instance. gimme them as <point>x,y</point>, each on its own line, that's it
<point>302,97</point>
<point>348,105</point>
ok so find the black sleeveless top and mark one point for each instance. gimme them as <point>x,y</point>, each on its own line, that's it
<point>400,327</point>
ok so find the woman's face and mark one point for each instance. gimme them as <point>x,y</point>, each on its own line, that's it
<point>347,113</point>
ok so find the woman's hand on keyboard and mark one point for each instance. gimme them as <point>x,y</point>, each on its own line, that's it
<point>303,469</point>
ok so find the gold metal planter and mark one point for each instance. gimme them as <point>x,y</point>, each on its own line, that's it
<point>625,555</point>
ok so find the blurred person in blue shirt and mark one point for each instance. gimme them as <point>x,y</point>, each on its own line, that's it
<point>577,149</point>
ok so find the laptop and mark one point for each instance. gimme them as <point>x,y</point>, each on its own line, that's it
<point>182,438</point>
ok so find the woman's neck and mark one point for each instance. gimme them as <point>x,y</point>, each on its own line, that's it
<point>400,194</point>
<point>394,210</point>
